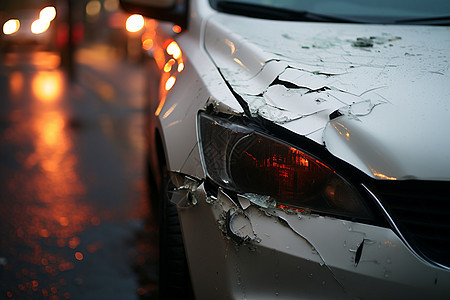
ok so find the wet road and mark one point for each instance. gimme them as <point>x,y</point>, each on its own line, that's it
<point>74,216</point>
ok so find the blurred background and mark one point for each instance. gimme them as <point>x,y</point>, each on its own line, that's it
<point>75,219</point>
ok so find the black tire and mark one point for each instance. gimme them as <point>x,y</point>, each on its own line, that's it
<point>174,278</point>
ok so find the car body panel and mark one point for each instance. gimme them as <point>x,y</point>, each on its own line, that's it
<point>321,68</point>
<point>289,254</point>
<point>237,249</point>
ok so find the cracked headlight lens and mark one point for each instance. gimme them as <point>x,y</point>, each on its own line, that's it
<point>246,161</point>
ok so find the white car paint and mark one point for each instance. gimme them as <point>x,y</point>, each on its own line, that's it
<point>393,101</point>
<point>393,95</point>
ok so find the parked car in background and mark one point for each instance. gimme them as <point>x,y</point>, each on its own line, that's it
<point>300,147</point>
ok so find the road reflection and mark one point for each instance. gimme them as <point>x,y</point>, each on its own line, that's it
<point>47,213</point>
<point>73,196</point>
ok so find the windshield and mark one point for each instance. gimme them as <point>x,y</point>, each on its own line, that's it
<point>383,11</point>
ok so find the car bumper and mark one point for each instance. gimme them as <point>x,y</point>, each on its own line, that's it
<point>262,253</point>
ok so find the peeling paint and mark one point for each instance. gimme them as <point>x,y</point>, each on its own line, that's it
<point>213,105</point>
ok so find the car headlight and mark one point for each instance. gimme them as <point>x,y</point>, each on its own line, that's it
<point>247,161</point>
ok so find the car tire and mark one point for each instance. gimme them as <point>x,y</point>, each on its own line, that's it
<point>174,278</point>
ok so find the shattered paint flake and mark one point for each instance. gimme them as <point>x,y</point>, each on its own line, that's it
<point>182,189</point>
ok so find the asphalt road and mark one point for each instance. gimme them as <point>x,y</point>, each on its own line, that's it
<point>74,216</point>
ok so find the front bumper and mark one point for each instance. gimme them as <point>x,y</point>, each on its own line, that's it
<point>241,251</point>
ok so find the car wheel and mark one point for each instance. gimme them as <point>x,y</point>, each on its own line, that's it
<point>174,278</point>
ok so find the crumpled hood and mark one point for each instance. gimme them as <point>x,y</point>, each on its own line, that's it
<point>387,88</point>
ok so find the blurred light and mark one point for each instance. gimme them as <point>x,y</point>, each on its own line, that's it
<point>47,86</point>
<point>63,221</point>
<point>135,23</point>
<point>180,67</point>
<point>79,256</point>
<point>174,50</point>
<point>93,8</point>
<point>176,28</point>
<point>46,60</point>
<point>169,64</point>
<point>147,40</point>
<point>74,242</point>
<point>52,128</point>
<point>231,45</point>
<point>16,83</point>
<point>11,26</point>
<point>382,176</point>
<point>170,82</point>
<point>39,26</point>
<point>48,13</point>
<point>111,5</point>
<point>147,44</point>
<point>116,20</point>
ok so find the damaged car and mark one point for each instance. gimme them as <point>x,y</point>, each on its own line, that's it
<point>300,148</point>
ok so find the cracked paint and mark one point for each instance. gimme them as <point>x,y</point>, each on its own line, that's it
<point>345,86</point>
<point>373,76</point>
<point>290,244</point>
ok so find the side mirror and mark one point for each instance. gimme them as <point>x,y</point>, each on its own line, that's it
<point>174,11</point>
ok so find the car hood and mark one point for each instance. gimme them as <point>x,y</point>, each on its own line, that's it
<point>377,96</point>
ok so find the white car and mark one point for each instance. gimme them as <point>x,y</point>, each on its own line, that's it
<point>306,147</point>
